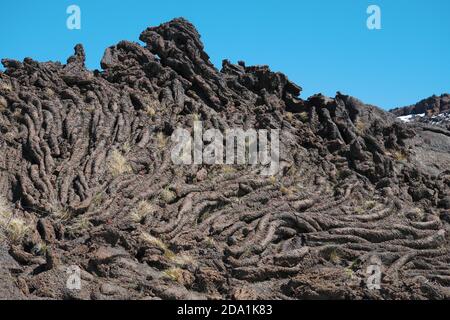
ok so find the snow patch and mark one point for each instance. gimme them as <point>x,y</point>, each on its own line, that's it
<point>411,117</point>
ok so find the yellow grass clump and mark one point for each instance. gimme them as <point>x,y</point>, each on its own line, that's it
<point>118,164</point>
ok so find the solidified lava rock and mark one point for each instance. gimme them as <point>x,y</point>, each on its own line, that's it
<point>430,106</point>
<point>87,181</point>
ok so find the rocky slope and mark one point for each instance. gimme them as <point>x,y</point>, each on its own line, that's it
<point>433,111</point>
<point>87,181</point>
<point>431,106</point>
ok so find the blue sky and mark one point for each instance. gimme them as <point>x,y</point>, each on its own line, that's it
<point>322,45</point>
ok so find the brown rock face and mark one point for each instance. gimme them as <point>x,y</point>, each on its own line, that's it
<point>89,184</point>
<point>430,106</point>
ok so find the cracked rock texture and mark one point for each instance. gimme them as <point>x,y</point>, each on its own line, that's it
<point>87,180</point>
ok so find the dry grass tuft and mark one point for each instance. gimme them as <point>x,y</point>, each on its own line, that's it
<point>151,108</point>
<point>196,117</point>
<point>180,260</point>
<point>3,104</point>
<point>126,148</point>
<point>49,92</point>
<point>210,242</point>
<point>169,254</point>
<point>97,199</point>
<point>80,225</point>
<point>161,140</point>
<point>14,229</point>
<point>286,191</point>
<point>118,164</point>
<point>228,169</point>
<point>40,249</point>
<point>153,241</point>
<point>334,257</point>
<point>400,155</point>
<point>272,180</point>
<point>183,260</point>
<point>150,111</point>
<point>289,117</point>
<point>143,209</point>
<point>360,126</point>
<point>6,86</point>
<point>369,205</point>
<point>4,208</point>
<point>90,109</point>
<point>60,214</point>
<point>303,116</point>
<point>174,274</point>
<point>167,195</point>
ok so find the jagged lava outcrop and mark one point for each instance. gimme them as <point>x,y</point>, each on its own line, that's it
<point>87,181</point>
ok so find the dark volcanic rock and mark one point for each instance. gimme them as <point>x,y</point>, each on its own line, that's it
<point>9,285</point>
<point>445,203</point>
<point>431,112</point>
<point>88,182</point>
<point>430,106</point>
